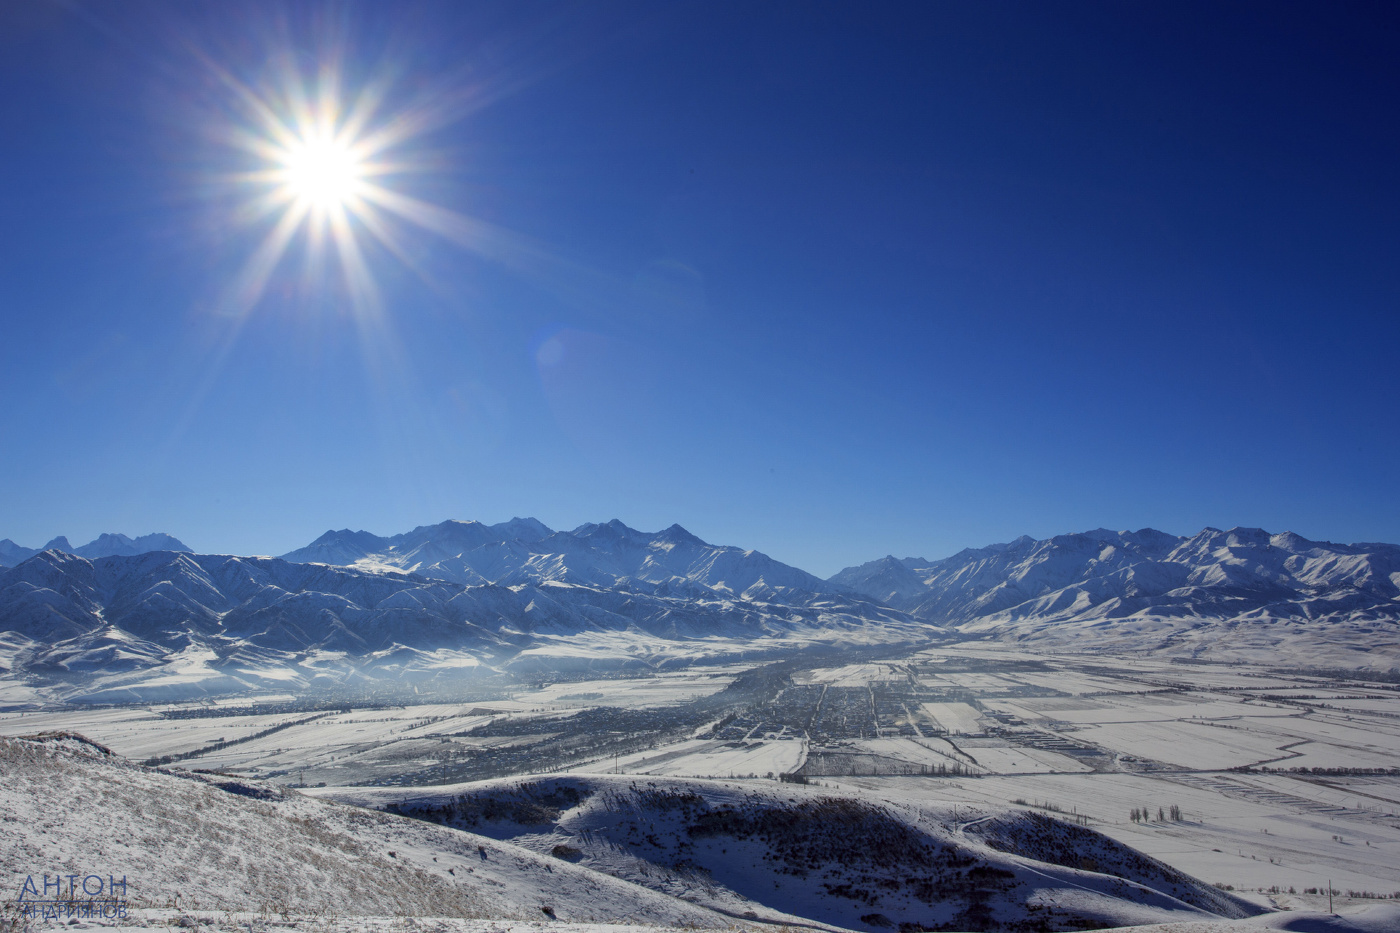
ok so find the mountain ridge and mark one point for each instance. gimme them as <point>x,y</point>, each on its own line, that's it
<point>525,550</point>
<point>168,625</point>
<point>1148,590</point>
<point>104,545</point>
<point>458,599</point>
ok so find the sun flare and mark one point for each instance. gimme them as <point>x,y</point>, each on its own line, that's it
<point>323,166</point>
<point>322,172</point>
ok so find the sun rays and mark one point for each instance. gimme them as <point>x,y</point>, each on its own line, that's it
<point>320,163</point>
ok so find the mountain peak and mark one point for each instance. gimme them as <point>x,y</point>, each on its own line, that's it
<point>120,545</point>
<point>11,553</point>
<point>678,535</point>
<point>110,539</point>
<point>345,535</point>
<point>523,529</point>
<point>612,530</point>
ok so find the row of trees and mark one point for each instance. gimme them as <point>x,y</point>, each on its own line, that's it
<point>1144,814</point>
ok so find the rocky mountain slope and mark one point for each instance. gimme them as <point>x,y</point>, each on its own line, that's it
<point>1218,594</point>
<point>787,853</point>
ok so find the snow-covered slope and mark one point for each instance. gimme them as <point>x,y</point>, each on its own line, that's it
<point>788,853</point>
<point>207,850</point>
<point>168,625</point>
<point>524,550</point>
<point>1221,594</point>
<point>207,842</point>
<point>107,545</point>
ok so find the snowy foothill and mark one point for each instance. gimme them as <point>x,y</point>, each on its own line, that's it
<point>206,842</point>
<point>585,849</point>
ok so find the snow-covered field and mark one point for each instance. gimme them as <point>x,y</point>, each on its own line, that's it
<point>954,717</point>
<point>1088,739</point>
<point>202,849</point>
<point>851,675</point>
<point>711,759</point>
<point>140,732</point>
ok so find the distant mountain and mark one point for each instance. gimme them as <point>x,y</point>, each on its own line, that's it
<point>107,545</point>
<point>167,625</point>
<point>150,621</point>
<point>110,545</point>
<point>1212,594</point>
<point>422,547</point>
<point>524,550</point>
<point>11,553</point>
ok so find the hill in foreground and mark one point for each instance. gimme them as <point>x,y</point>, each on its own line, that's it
<point>784,853</point>
<point>205,851</point>
<point>192,841</point>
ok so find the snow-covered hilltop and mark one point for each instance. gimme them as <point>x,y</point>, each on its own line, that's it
<point>107,545</point>
<point>1218,594</point>
<point>792,854</point>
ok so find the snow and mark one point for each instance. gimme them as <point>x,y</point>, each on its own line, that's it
<point>716,759</point>
<point>525,550</point>
<point>954,717</point>
<point>1363,918</point>
<point>1082,703</point>
<point>1241,594</point>
<point>209,850</point>
<point>229,625</point>
<point>213,844</point>
<point>782,852</point>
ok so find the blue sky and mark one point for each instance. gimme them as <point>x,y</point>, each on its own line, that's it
<point>826,280</point>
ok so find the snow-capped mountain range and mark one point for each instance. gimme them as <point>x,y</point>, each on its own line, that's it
<point>525,551</point>
<point>1217,593</point>
<point>167,625</point>
<point>447,601</point>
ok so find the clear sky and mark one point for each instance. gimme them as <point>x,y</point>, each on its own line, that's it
<point>827,280</point>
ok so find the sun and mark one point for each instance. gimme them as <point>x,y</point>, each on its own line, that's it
<point>322,172</point>
<point>324,164</point>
